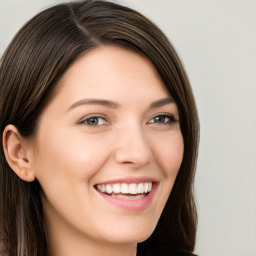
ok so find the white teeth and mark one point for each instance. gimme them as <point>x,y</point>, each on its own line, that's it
<point>101,188</point>
<point>116,188</point>
<point>109,189</point>
<point>148,187</point>
<point>140,188</point>
<point>133,189</point>
<point>125,188</point>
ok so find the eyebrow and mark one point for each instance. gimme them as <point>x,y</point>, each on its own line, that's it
<point>106,103</point>
<point>115,105</point>
<point>162,102</point>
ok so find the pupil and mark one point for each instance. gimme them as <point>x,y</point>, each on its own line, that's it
<point>159,119</point>
<point>93,121</point>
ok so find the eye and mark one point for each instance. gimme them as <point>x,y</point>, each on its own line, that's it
<point>94,121</point>
<point>163,119</point>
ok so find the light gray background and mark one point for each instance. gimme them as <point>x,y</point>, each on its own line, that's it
<point>217,43</point>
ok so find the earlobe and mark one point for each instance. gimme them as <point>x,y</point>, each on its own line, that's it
<point>16,150</point>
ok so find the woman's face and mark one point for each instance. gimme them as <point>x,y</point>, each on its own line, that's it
<point>112,126</point>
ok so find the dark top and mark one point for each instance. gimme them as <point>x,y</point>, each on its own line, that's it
<point>163,252</point>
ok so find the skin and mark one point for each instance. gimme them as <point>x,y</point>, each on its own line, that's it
<point>69,155</point>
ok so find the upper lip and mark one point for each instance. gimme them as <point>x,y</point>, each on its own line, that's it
<point>129,180</point>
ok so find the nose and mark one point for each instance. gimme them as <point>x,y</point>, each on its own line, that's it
<point>133,148</point>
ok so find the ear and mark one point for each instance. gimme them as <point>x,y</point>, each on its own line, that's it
<point>17,153</point>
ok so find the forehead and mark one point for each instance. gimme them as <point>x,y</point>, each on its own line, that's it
<point>109,73</point>
<point>105,68</point>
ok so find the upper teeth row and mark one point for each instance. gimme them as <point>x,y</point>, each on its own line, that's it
<point>126,188</point>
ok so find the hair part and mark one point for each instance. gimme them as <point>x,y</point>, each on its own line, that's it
<point>30,70</point>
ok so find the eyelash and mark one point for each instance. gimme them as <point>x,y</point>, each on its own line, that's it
<point>171,120</point>
<point>95,117</point>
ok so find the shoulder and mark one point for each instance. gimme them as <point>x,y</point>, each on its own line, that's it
<point>164,252</point>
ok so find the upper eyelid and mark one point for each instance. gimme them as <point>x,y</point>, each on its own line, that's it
<point>93,115</point>
<point>165,114</point>
<point>98,115</point>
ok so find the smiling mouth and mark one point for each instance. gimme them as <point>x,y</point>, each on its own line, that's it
<point>126,191</point>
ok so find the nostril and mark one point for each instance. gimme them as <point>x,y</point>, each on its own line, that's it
<point>131,158</point>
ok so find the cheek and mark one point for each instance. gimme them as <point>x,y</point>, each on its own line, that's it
<point>65,162</point>
<point>169,153</point>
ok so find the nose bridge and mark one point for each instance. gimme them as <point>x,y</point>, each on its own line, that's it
<point>133,146</point>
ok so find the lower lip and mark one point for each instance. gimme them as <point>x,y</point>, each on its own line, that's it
<point>131,204</point>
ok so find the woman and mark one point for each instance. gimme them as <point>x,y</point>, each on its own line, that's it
<point>99,137</point>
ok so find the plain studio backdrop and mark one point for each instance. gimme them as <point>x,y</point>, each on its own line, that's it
<point>216,41</point>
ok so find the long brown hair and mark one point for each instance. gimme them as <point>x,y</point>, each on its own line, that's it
<point>30,69</point>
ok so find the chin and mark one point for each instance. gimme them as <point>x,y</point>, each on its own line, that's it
<point>130,235</point>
